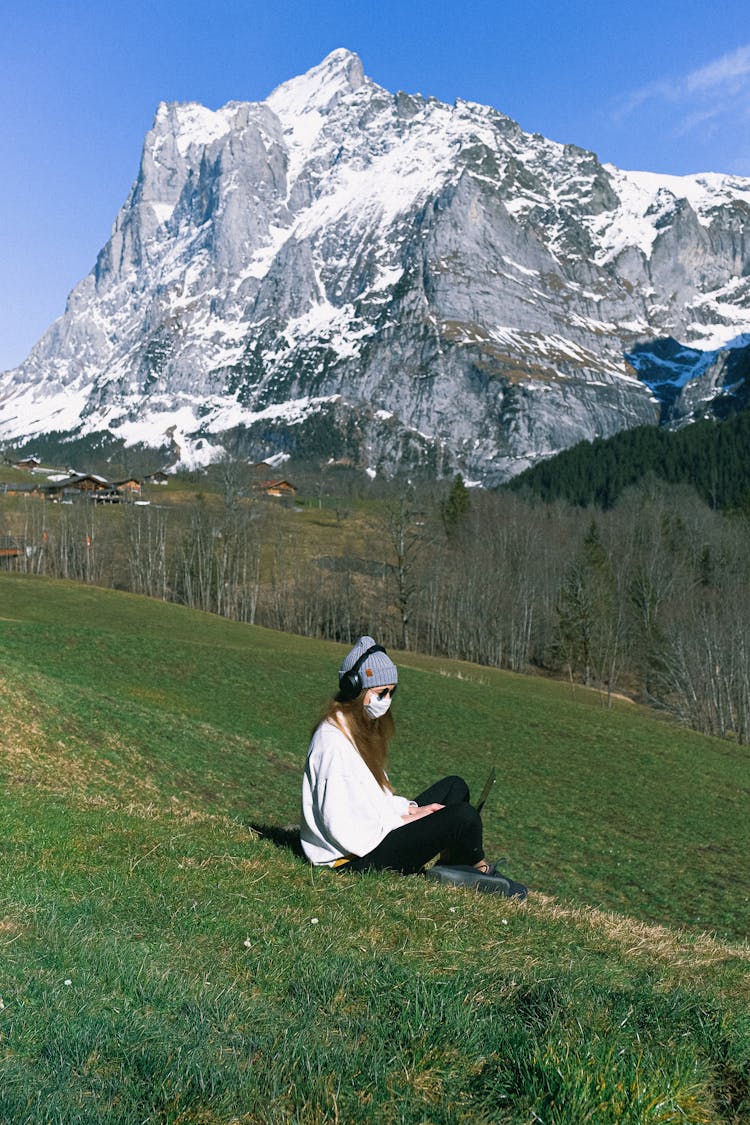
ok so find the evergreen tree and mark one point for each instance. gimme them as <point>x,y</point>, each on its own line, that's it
<point>456,506</point>
<point>588,639</point>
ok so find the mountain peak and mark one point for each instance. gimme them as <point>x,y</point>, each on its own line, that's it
<point>416,282</point>
<point>321,87</point>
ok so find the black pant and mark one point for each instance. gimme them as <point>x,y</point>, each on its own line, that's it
<point>454,833</point>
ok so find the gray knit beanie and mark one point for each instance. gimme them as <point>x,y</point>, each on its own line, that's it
<point>376,671</point>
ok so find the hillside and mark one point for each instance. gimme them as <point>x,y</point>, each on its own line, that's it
<point>165,962</point>
<point>713,457</point>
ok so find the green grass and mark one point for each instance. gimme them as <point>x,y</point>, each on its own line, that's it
<point>215,978</point>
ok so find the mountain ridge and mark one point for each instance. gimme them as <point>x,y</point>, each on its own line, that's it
<point>428,281</point>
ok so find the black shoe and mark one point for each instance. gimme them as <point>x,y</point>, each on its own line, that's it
<point>515,890</point>
<point>489,882</point>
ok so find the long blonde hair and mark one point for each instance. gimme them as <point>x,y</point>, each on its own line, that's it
<point>370,736</point>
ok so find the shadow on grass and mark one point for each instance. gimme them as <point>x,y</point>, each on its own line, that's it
<point>283,836</point>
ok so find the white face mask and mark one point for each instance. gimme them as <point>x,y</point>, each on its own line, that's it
<point>377,707</point>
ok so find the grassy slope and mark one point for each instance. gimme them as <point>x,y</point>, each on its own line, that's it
<point>140,740</point>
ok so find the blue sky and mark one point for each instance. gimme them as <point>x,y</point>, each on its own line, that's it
<point>663,86</point>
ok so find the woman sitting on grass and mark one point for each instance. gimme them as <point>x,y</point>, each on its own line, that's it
<point>351,818</point>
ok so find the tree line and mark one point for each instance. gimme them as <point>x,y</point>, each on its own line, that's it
<point>711,456</point>
<point>648,596</point>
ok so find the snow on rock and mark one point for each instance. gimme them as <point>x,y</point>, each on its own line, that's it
<point>454,283</point>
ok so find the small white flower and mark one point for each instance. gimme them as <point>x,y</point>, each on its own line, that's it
<point>313,921</point>
<point>68,981</point>
<point>2,1004</point>
<point>247,943</point>
<point>452,909</point>
<point>505,921</point>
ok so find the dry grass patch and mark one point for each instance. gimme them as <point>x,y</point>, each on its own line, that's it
<point>634,938</point>
<point>33,757</point>
<point>234,862</point>
<point>173,810</point>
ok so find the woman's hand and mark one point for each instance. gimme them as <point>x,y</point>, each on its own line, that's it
<point>416,812</point>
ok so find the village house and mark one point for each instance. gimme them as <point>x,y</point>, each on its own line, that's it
<point>91,487</point>
<point>281,488</point>
<point>130,485</point>
<point>9,488</point>
<point>11,547</point>
<point>71,485</point>
<point>86,484</point>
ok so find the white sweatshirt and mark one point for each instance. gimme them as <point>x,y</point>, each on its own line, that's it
<point>344,810</point>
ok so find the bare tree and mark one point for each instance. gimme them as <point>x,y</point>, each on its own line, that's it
<point>403,534</point>
<point>146,550</point>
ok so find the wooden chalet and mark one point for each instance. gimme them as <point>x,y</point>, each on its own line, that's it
<point>159,477</point>
<point>86,484</point>
<point>11,548</point>
<point>10,488</point>
<point>131,486</point>
<point>281,488</point>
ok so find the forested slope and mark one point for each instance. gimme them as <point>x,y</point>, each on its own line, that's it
<point>713,457</point>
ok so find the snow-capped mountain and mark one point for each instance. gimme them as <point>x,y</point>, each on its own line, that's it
<point>345,270</point>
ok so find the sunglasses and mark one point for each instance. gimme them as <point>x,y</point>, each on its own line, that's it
<point>383,693</point>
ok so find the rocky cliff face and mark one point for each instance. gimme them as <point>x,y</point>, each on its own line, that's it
<point>345,270</point>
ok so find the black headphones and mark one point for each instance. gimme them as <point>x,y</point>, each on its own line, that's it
<point>349,681</point>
